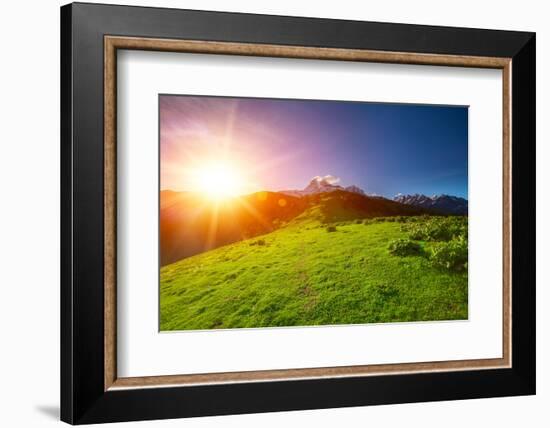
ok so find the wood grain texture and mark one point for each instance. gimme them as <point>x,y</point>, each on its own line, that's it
<point>296,374</point>
<point>507,212</point>
<point>112,43</point>
<point>109,196</point>
<point>227,48</point>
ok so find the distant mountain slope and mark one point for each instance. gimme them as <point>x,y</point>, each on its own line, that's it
<point>341,205</point>
<point>189,224</point>
<point>445,204</point>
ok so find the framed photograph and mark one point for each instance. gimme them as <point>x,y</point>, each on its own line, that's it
<point>266,213</point>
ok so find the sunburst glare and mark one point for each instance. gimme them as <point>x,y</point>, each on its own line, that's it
<point>218,180</point>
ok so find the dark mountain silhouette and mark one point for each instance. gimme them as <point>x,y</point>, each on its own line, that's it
<point>444,204</point>
<point>342,205</point>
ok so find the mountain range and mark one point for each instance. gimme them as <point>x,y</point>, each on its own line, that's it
<point>445,204</point>
<point>190,225</point>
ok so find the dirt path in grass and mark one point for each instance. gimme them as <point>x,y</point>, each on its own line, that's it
<point>305,290</point>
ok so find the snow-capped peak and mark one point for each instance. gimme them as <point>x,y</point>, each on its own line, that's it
<point>324,184</point>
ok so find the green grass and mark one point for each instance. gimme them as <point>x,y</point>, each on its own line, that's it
<point>303,274</point>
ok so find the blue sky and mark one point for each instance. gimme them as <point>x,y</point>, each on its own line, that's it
<point>383,148</point>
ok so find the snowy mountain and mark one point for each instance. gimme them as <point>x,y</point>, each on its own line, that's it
<point>443,203</point>
<point>325,184</point>
<point>321,185</point>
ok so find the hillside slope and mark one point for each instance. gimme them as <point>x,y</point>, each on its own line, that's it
<point>303,274</point>
<point>190,225</point>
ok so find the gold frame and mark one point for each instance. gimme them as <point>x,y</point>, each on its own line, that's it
<point>113,43</point>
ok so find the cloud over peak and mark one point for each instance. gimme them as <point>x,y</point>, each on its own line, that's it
<point>329,179</point>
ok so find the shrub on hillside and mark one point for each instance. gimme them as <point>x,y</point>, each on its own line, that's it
<point>331,229</point>
<point>260,242</point>
<point>451,255</point>
<point>405,228</point>
<point>404,247</point>
<point>438,229</point>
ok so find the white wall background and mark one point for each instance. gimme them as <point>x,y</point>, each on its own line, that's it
<point>29,213</point>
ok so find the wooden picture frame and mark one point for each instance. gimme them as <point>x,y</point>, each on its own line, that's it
<point>91,390</point>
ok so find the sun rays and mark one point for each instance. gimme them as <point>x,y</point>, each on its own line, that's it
<point>218,154</point>
<point>218,180</point>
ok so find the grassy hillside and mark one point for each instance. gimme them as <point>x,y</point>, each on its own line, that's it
<point>190,225</point>
<point>308,273</point>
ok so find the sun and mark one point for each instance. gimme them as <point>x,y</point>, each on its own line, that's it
<point>218,180</point>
